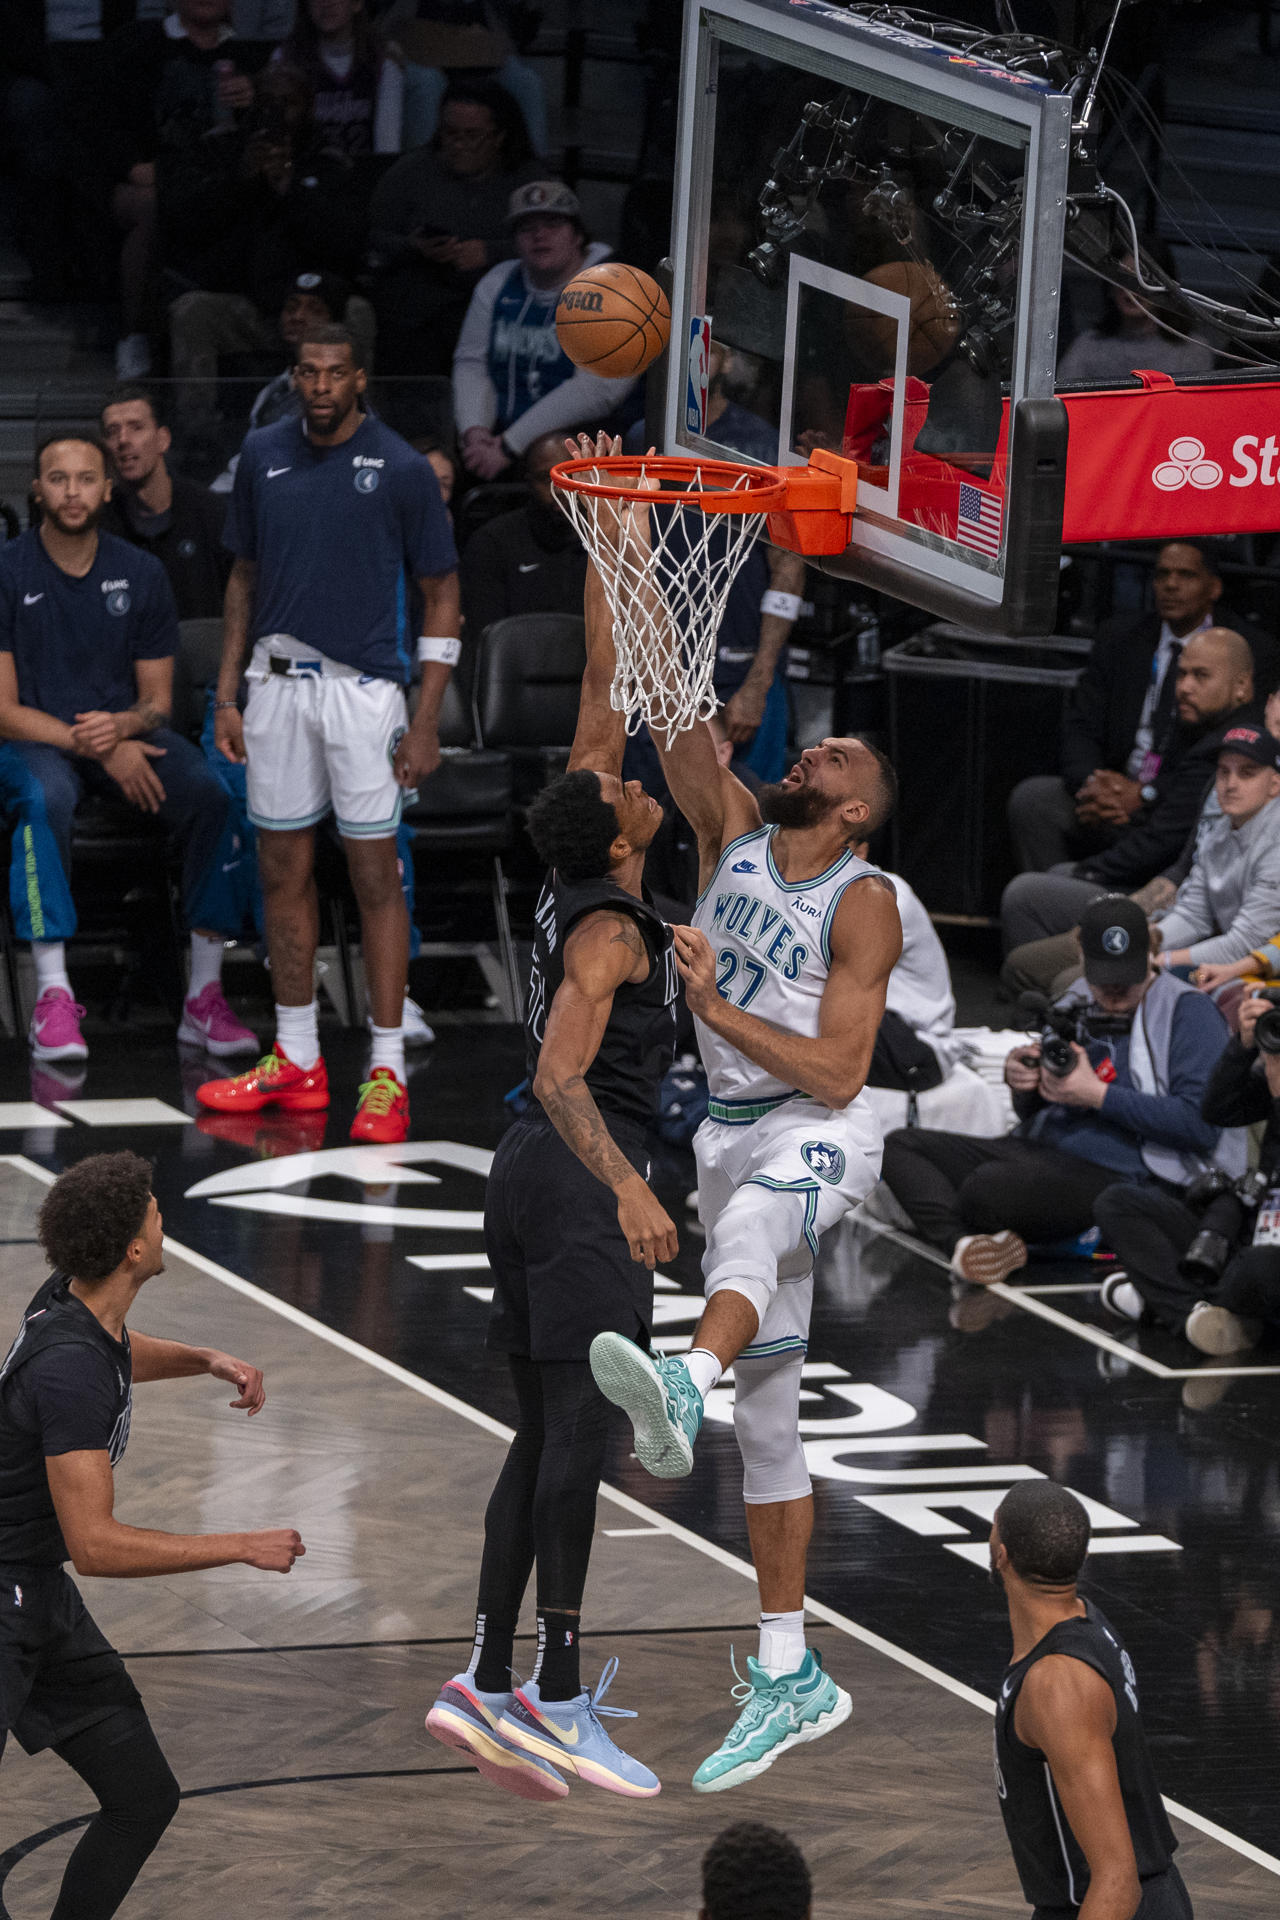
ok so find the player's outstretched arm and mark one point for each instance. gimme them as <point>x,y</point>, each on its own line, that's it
<point>600,736</point>
<point>1067,1711</point>
<point>155,1359</point>
<point>602,953</point>
<point>83,1492</point>
<point>866,940</point>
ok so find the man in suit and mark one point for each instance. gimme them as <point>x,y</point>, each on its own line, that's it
<point>1120,711</point>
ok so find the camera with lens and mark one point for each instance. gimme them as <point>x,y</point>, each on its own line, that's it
<point>1226,1208</point>
<point>1267,1031</point>
<point>1062,1028</point>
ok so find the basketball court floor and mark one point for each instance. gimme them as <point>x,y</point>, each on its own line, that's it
<point>292,1708</point>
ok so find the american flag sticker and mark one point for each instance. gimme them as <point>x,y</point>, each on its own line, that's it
<point>979,517</point>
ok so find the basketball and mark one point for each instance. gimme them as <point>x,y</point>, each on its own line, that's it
<point>613,320</point>
<point>934,325</point>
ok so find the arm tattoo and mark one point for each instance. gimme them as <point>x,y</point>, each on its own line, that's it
<point>149,717</point>
<point>579,1122</point>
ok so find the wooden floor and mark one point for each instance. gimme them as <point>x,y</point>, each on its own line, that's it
<point>291,1708</point>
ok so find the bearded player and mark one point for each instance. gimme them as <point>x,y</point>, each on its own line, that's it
<point>785,970</point>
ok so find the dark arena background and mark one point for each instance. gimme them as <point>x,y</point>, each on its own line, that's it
<point>1056,608</point>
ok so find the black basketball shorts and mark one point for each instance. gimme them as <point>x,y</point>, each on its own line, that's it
<point>58,1672</point>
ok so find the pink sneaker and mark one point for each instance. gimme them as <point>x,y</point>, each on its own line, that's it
<point>54,1033</point>
<point>208,1022</point>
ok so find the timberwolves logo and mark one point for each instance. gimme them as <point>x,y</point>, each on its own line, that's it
<point>367,479</point>
<point>118,602</point>
<point>824,1160</point>
<point>397,733</point>
<point>186,549</point>
<point>1116,940</point>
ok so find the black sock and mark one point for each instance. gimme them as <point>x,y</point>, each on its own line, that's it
<point>495,1645</point>
<point>557,1674</point>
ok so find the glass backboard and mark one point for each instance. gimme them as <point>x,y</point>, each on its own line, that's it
<point>867,250</point>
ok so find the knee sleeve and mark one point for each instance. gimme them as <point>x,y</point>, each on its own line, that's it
<point>759,1230</point>
<point>766,1420</point>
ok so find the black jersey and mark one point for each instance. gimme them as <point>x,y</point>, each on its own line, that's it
<point>65,1386</point>
<point>1050,1863</point>
<point>639,1041</point>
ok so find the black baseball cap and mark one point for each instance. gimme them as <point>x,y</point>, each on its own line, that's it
<point>1114,941</point>
<point>1254,743</point>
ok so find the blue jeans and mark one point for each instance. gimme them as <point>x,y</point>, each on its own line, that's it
<point>39,896</point>
<point>194,810</point>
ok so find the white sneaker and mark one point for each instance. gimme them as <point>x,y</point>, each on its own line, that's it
<point>414,1021</point>
<point>1121,1299</point>
<point>133,357</point>
<point>1213,1329</point>
<point>985,1258</point>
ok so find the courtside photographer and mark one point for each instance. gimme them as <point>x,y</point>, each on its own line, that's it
<point>1206,1262</point>
<point>1111,1088</point>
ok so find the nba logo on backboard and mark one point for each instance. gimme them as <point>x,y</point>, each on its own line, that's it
<point>695,410</point>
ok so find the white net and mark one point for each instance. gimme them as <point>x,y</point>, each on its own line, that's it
<point>667,568</point>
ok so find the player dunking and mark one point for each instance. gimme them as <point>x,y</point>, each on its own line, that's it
<point>573,1233</point>
<point>1081,1807</point>
<point>785,969</point>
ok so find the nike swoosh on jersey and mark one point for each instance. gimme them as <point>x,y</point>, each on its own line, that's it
<point>29,599</point>
<point>528,566</point>
<point>274,472</point>
<point>744,866</point>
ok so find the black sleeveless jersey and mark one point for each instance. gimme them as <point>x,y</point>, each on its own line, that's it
<point>1050,1863</point>
<point>91,1405</point>
<point>639,1040</point>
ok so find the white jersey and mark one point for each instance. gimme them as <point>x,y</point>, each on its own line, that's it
<point>773,954</point>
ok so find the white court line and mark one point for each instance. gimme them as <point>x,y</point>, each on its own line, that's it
<point>656,1522</point>
<point>1026,1298</point>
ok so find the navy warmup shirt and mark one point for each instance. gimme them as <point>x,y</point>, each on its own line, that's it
<point>73,641</point>
<point>334,533</point>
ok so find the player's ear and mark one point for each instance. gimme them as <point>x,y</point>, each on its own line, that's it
<point>620,849</point>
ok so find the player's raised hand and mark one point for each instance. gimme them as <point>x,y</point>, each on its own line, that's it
<point>649,1229</point>
<point>246,1379</point>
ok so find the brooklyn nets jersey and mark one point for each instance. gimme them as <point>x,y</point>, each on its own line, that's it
<point>772,944</point>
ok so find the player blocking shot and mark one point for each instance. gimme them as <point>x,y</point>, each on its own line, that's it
<point>1084,1816</point>
<point>573,1232</point>
<point>785,968</point>
<point>66,1404</point>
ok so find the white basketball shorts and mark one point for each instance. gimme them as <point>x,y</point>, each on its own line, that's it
<point>767,1191</point>
<point>322,735</point>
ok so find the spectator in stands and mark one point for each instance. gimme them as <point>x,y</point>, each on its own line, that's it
<point>1230,900</point>
<point>753,1872</point>
<point>472,35</point>
<point>170,85</point>
<point>438,220</point>
<point>1116,718</point>
<point>174,518</point>
<point>1150,1229</point>
<point>1214,692</point>
<point>1137,331</point>
<point>1130,1106</point>
<point>512,380</point>
<point>32,152</point>
<point>441,463</point>
<point>241,220</point>
<point>88,631</point>
<point>528,561</point>
<point>313,300</point>
<point>357,89</point>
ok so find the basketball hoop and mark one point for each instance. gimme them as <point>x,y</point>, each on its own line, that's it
<point>668,537</point>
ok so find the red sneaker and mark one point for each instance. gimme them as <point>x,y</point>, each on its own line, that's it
<point>382,1111</point>
<point>275,1081</point>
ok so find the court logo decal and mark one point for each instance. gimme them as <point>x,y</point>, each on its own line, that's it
<point>264,1186</point>
<point>1186,467</point>
<point>824,1159</point>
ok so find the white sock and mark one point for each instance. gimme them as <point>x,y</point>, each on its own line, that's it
<point>781,1642</point>
<point>704,1369</point>
<point>50,957</point>
<point>388,1050</point>
<point>298,1034</point>
<point>206,963</point>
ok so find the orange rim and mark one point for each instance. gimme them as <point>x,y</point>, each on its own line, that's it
<point>735,489</point>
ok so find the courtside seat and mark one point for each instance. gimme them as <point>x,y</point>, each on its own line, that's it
<point>527,693</point>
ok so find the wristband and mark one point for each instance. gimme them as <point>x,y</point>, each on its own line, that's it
<point>218,704</point>
<point>448,652</point>
<point>787,606</point>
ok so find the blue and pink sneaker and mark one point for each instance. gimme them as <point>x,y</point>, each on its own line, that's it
<point>467,1719</point>
<point>569,1733</point>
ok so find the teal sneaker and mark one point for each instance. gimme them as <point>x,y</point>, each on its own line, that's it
<point>658,1398</point>
<point>776,1716</point>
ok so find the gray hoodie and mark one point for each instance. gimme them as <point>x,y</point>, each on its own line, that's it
<point>1229,903</point>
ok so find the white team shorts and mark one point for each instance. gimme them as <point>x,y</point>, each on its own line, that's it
<point>828,1159</point>
<point>323,735</point>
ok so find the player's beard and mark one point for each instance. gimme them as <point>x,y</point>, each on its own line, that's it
<point>87,526</point>
<point>793,808</point>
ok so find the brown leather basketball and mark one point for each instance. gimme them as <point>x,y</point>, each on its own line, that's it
<point>613,320</point>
